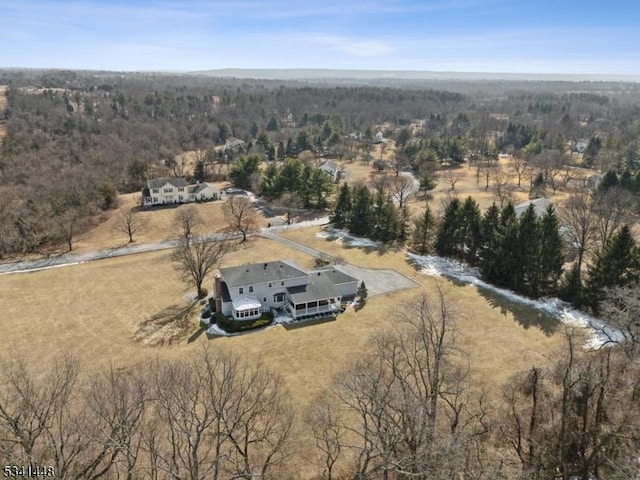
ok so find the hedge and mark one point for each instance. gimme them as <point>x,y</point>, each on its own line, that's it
<point>232,326</point>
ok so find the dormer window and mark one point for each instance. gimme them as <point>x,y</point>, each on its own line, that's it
<point>241,290</point>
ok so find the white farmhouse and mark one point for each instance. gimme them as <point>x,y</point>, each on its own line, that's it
<point>245,292</point>
<point>331,168</point>
<point>169,191</point>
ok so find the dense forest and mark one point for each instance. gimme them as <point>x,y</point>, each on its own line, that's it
<point>74,140</point>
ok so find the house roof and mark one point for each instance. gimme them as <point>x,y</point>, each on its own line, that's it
<point>320,287</point>
<point>260,272</point>
<point>198,187</point>
<point>329,165</point>
<point>245,302</point>
<point>160,182</point>
<point>335,276</point>
<point>540,206</point>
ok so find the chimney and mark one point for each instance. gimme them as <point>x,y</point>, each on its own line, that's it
<point>217,293</point>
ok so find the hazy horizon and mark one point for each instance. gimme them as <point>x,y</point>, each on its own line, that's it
<point>461,36</point>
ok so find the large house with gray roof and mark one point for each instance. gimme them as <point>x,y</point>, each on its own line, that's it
<point>245,292</point>
<point>169,191</point>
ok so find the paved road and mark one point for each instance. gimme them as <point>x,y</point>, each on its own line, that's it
<point>67,259</point>
<point>75,258</point>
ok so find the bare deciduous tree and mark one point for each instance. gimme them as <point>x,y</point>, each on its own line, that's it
<point>452,176</point>
<point>196,259</point>
<point>520,166</point>
<point>612,209</point>
<point>240,215</point>
<point>129,223</point>
<point>187,220</point>
<point>502,188</point>
<point>402,188</point>
<point>577,214</point>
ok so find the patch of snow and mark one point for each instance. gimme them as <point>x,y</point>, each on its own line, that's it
<point>316,222</point>
<point>347,239</point>
<point>282,319</point>
<point>217,331</point>
<point>601,333</point>
<point>39,269</point>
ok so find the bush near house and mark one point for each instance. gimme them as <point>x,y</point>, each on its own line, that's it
<point>233,326</point>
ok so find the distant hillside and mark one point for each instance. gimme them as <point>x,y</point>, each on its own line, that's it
<point>365,75</point>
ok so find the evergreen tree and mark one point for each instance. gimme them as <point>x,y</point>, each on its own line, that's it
<point>290,150</point>
<point>243,170</point>
<point>342,208</point>
<point>362,293</point>
<point>272,125</point>
<point>489,226</point>
<point>609,180</point>
<point>199,174</point>
<point>304,188</point>
<point>281,152</point>
<point>360,217</point>
<point>618,264</point>
<point>288,177</point>
<point>526,278</point>
<point>447,238</point>
<point>385,217</point>
<point>426,183</point>
<point>470,231</point>
<point>571,289</point>
<point>269,182</point>
<point>551,257</point>
<point>402,224</point>
<point>320,186</point>
<point>423,229</point>
<point>626,180</point>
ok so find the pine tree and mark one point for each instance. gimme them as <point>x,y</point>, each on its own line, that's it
<point>360,217</point>
<point>362,293</point>
<point>609,180</point>
<point>447,238</point>
<point>571,289</point>
<point>489,226</point>
<point>550,255</point>
<point>526,277</point>
<point>304,190</point>
<point>470,231</point>
<point>342,208</point>
<point>423,229</point>
<point>618,264</point>
<point>269,182</point>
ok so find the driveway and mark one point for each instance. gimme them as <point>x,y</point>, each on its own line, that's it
<point>378,282</point>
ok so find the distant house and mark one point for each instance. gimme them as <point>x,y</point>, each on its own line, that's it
<point>234,144</point>
<point>379,137</point>
<point>168,191</point>
<point>540,206</point>
<point>245,292</point>
<point>580,146</point>
<point>330,168</point>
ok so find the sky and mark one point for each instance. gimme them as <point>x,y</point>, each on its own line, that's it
<point>512,36</point>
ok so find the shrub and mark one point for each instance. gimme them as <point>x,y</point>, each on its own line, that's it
<point>232,326</point>
<point>203,292</point>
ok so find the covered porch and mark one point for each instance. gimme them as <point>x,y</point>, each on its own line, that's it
<point>317,298</point>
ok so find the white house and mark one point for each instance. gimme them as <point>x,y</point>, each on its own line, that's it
<point>245,292</point>
<point>330,168</point>
<point>168,191</point>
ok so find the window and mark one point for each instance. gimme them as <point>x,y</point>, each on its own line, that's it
<point>250,288</point>
<point>264,299</point>
<point>155,199</point>
<point>278,297</point>
<point>281,283</point>
<point>300,306</point>
<point>241,290</point>
<point>323,303</point>
<point>168,190</point>
<point>156,190</point>
<point>269,285</point>
<point>181,189</point>
<point>312,304</point>
<point>180,197</point>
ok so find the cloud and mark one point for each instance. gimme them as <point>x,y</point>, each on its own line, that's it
<point>358,47</point>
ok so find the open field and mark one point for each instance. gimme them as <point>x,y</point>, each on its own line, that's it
<point>92,311</point>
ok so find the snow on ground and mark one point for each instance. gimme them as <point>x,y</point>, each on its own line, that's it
<point>601,333</point>
<point>217,331</point>
<point>296,225</point>
<point>282,319</point>
<point>347,239</point>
